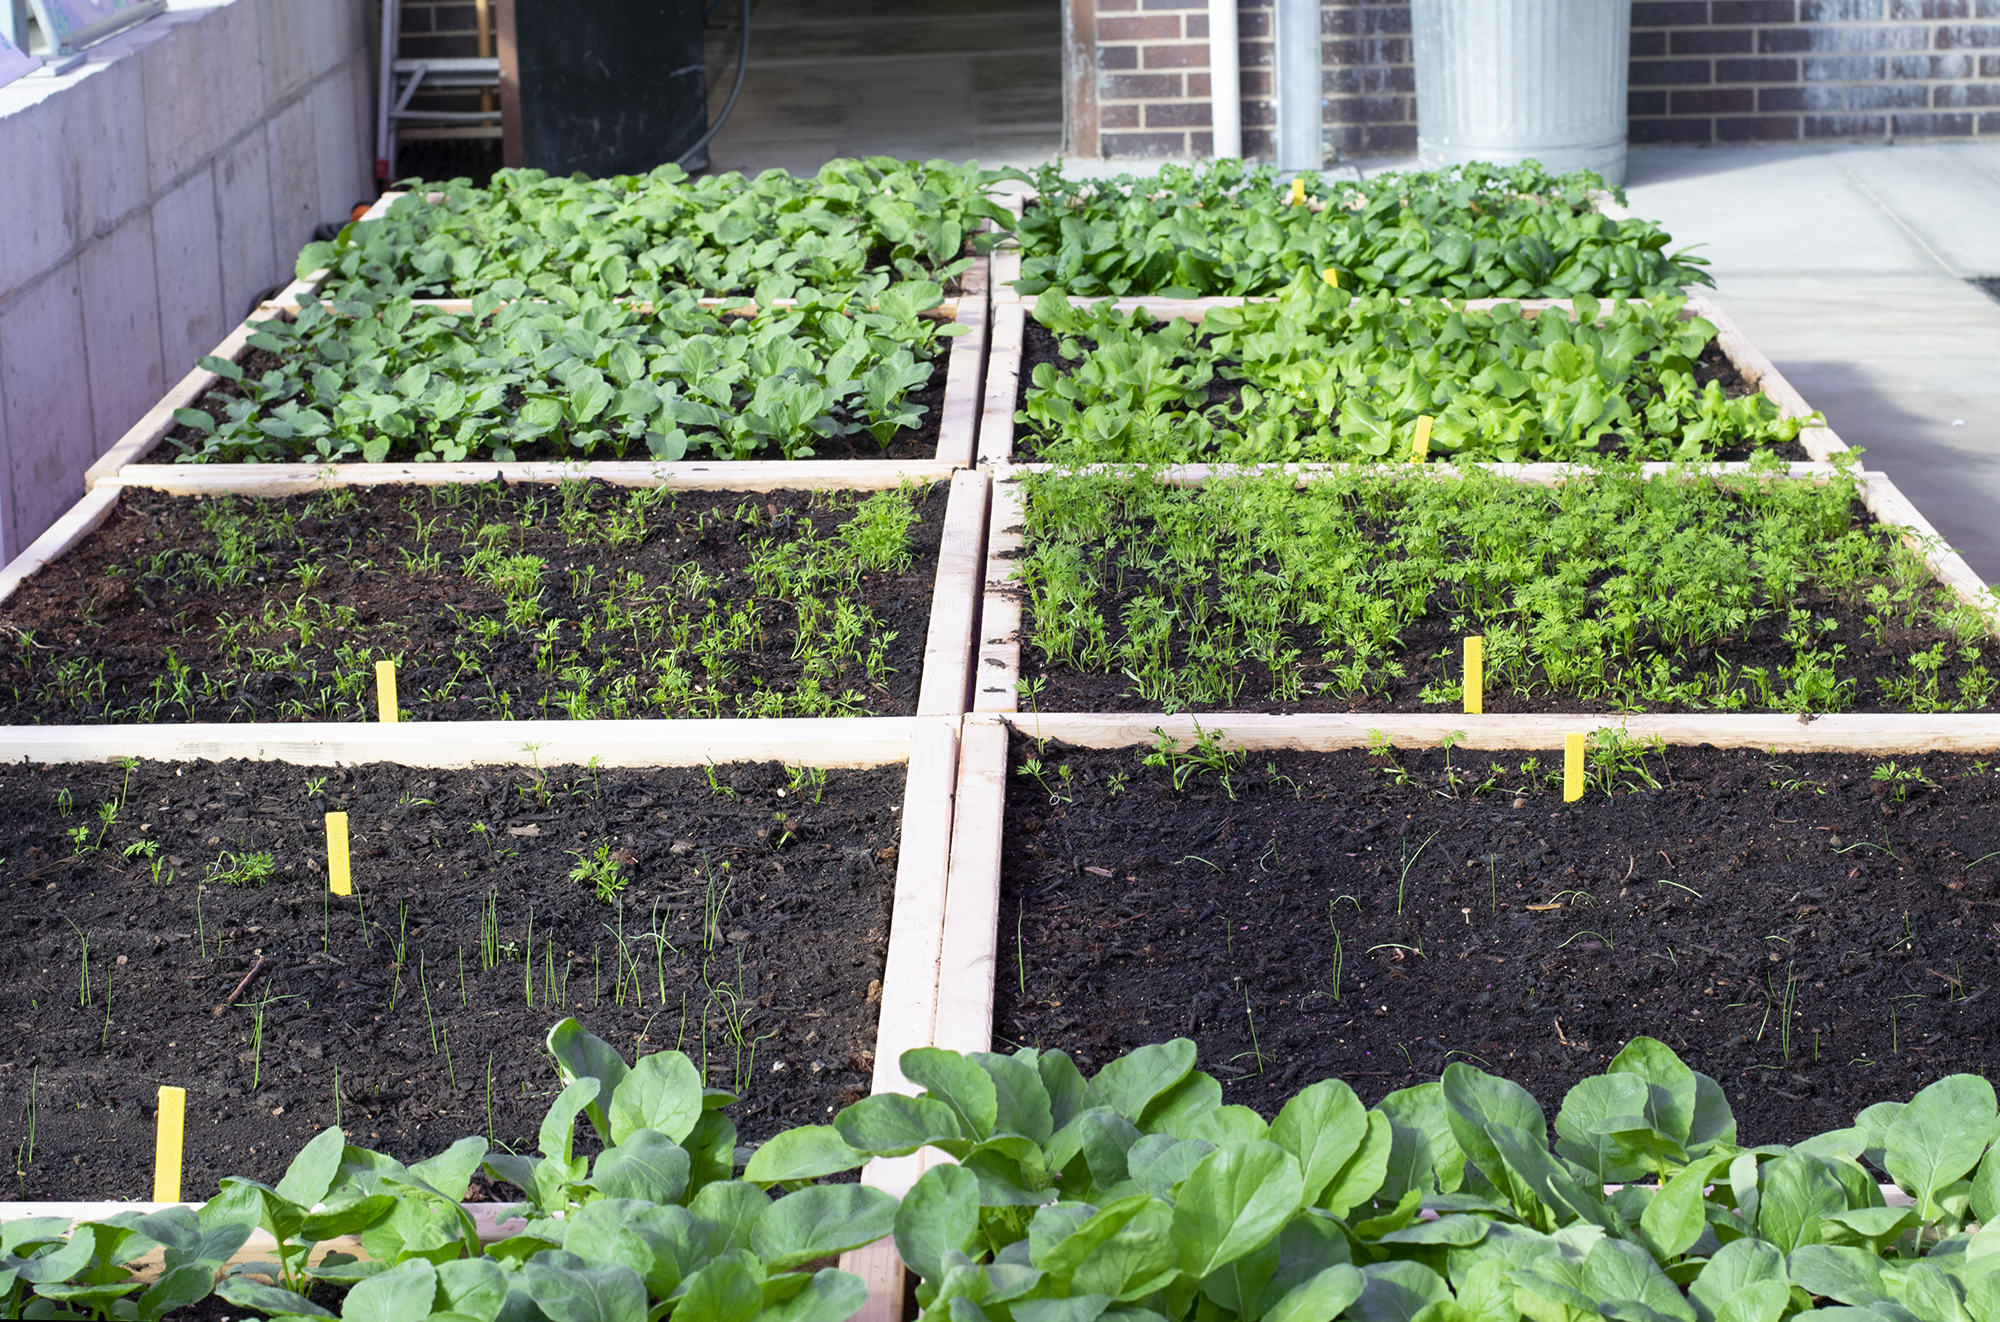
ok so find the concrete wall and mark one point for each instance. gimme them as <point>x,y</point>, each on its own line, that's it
<point>149,196</point>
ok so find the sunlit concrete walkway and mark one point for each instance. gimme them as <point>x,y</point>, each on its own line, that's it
<point>1849,266</point>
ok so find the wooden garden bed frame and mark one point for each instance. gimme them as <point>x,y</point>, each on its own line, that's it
<point>126,461</point>
<point>998,665</point>
<point>1004,366</point>
<point>944,689</point>
<point>926,745</point>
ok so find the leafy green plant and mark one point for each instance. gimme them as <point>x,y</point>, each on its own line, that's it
<point>602,873</point>
<point>1640,593</point>
<point>1320,373</point>
<point>371,378</point>
<point>774,236</point>
<point>1137,1189</point>
<point>1473,231</point>
<point>248,869</point>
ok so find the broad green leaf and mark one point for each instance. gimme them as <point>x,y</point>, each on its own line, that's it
<point>178,1287</point>
<point>831,1296</point>
<point>1021,1099</point>
<point>1179,1109</point>
<point>1476,1101</point>
<point>1620,1269</point>
<point>1851,1275</point>
<point>1397,1292</point>
<point>805,1153</point>
<point>311,1173</point>
<point>580,1054</point>
<point>1869,1228</point>
<point>1747,1275</point>
<point>558,1133</point>
<point>569,1289</point>
<point>1361,1175</point>
<point>1322,1126</point>
<point>1129,1084</point>
<point>939,1215</point>
<point>1159,1162</point>
<point>450,1172</point>
<point>1422,1109</point>
<point>822,1220</point>
<point>662,1092</point>
<point>475,1287</point>
<point>1795,1193</point>
<point>646,1165</point>
<point>957,1082</point>
<point>1670,1082</point>
<point>402,1294</point>
<point>1674,1219</point>
<point>1236,1199</point>
<point>1229,1124</point>
<point>728,1212</point>
<point>1594,1100</point>
<point>1320,1299</point>
<point>270,1299</point>
<point>893,1125</point>
<point>1939,1136</point>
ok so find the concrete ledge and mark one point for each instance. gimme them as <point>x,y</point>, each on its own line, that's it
<point>159,187</point>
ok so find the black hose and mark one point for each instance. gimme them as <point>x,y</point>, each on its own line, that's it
<point>742,67</point>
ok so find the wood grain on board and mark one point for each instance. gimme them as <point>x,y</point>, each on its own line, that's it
<point>947,683</point>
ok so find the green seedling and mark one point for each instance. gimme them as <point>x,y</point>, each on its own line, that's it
<point>602,873</point>
<point>249,869</point>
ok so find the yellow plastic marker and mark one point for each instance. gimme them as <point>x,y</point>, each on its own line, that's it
<point>339,876</point>
<point>1331,276</point>
<point>167,1145</point>
<point>1298,191</point>
<point>1420,447</point>
<point>1573,767</point>
<point>1475,675</point>
<point>385,691</point>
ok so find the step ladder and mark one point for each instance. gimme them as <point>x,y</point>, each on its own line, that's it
<point>401,79</point>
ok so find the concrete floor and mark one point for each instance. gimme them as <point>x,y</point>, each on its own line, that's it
<point>917,79</point>
<point>1847,265</point>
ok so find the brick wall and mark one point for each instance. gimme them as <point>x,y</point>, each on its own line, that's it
<point>1775,70</point>
<point>1152,82</point>
<point>1702,71</point>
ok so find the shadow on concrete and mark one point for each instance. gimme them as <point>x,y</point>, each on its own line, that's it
<point>1951,474</point>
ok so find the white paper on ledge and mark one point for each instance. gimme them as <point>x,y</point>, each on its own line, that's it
<point>14,62</point>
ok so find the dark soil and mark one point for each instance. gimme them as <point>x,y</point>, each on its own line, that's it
<point>919,442</point>
<point>1550,934</point>
<point>801,928</point>
<point>128,599</point>
<point>1040,345</point>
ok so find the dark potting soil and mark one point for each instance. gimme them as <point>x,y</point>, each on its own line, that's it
<point>1787,924</point>
<point>1040,345</point>
<point>766,903</point>
<point>919,442</point>
<point>115,630</point>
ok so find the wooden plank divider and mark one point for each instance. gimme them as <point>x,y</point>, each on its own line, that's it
<point>998,666</point>
<point>829,741</point>
<point>947,680</point>
<point>687,474</point>
<point>1839,732</point>
<point>82,519</point>
<point>969,959</point>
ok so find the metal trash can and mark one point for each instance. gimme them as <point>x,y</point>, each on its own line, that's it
<point>1514,80</point>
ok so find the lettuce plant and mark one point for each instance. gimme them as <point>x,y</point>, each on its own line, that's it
<point>1323,374</point>
<point>374,378</point>
<point>1137,1195</point>
<point>648,236</point>
<point>1474,231</point>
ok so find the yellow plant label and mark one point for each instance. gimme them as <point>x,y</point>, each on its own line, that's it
<point>1420,445</point>
<point>385,691</point>
<point>1573,767</point>
<point>339,874</point>
<point>1298,191</point>
<point>167,1145</point>
<point>1331,276</point>
<point>1475,675</point>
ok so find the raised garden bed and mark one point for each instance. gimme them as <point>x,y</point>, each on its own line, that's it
<point>1475,232</point>
<point>628,395</point>
<point>719,235</point>
<point>1338,590</point>
<point>571,598</point>
<point>1804,925</point>
<point>790,865</point>
<point>1167,394</point>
